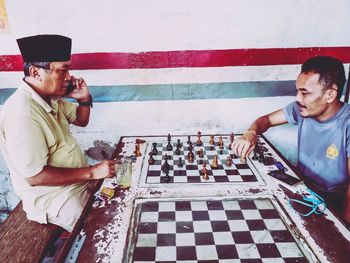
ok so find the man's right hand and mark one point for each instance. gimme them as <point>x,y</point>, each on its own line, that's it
<point>245,144</point>
<point>104,169</point>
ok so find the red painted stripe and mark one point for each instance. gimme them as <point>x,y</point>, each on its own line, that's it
<point>190,58</point>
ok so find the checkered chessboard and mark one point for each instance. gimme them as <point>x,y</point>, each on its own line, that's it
<point>231,230</point>
<point>192,172</point>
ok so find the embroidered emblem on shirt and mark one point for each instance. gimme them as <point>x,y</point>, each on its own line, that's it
<point>332,152</point>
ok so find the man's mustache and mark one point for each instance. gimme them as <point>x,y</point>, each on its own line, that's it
<point>301,106</point>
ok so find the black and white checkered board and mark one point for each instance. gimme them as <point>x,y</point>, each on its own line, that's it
<point>231,230</point>
<point>238,172</point>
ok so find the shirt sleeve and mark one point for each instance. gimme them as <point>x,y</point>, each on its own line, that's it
<point>26,146</point>
<point>69,109</point>
<point>291,111</point>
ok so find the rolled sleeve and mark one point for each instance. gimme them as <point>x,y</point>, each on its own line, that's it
<point>291,111</point>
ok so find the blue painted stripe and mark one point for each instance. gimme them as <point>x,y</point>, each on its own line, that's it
<point>185,91</point>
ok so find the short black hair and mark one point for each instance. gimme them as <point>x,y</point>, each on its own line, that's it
<point>27,65</point>
<point>331,71</point>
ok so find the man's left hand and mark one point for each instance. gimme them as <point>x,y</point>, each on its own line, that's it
<point>81,91</point>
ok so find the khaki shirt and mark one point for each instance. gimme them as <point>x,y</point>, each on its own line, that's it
<point>34,134</point>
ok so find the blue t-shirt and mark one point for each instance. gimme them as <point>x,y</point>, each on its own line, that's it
<point>323,147</point>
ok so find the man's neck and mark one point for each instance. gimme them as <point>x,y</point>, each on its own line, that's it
<point>331,111</point>
<point>30,82</point>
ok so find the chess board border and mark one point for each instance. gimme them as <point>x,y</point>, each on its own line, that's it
<point>299,239</point>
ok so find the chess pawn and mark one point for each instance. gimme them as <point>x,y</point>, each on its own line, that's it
<point>189,140</point>
<point>180,163</point>
<point>221,143</point>
<point>205,172</point>
<point>211,141</point>
<point>154,150</point>
<point>151,160</point>
<point>165,166</point>
<point>232,138</point>
<point>199,142</point>
<point>200,153</point>
<point>214,163</point>
<point>177,151</point>
<point>228,161</point>
<point>137,151</point>
<point>179,144</point>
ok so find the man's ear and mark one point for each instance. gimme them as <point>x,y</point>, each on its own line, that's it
<point>34,72</point>
<point>332,94</point>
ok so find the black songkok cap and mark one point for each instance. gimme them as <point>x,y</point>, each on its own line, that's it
<point>45,48</point>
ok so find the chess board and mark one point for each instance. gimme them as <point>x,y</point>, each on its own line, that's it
<point>212,230</point>
<point>240,172</point>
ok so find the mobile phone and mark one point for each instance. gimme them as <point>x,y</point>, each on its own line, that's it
<point>70,87</point>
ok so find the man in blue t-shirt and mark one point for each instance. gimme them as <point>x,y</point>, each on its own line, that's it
<point>323,130</point>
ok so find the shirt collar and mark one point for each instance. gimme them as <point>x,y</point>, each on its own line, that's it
<point>38,99</point>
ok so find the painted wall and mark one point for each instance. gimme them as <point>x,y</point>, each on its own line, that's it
<point>163,66</point>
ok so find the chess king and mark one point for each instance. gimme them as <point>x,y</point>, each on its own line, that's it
<point>48,169</point>
<point>323,131</point>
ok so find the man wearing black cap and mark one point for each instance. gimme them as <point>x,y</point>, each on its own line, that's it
<point>48,169</point>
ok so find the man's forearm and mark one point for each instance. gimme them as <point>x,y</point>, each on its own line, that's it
<point>55,176</point>
<point>260,125</point>
<point>83,116</point>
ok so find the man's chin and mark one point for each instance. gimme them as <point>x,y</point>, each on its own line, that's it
<point>303,112</point>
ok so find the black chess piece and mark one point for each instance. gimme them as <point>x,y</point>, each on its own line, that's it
<point>166,165</point>
<point>151,159</point>
<point>261,158</point>
<point>167,177</point>
<point>189,140</point>
<point>180,163</point>
<point>179,144</point>
<point>154,149</point>
<point>177,151</point>
<point>256,149</point>
<point>169,147</point>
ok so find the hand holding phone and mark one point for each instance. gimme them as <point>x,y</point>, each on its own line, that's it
<point>71,86</point>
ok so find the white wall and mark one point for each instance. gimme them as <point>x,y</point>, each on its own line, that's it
<point>140,25</point>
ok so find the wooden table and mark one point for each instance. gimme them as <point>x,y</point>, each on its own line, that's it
<point>324,235</point>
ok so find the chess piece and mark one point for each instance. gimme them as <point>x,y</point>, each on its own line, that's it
<point>214,163</point>
<point>167,177</point>
<point>177,151</point>
<point>211,141</point>
<point>169,147</point>
<point>232,138</point>
<point>165,166</point>
<point>256,149</point>
<point>199,142</point>
<point>180,163</point>
<point>189,140</point>
<point>205,172</point>
<point>190,156</point>
<point>179,144</point>
<point>137,151</point>
<point>221,143</point>
<point>200,153</point>
<point>151,159</point>
<point>229,161</point>
<point>154,150</point>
